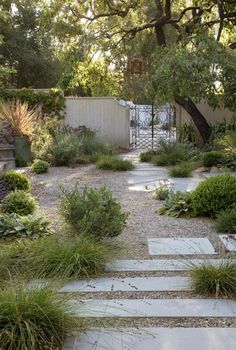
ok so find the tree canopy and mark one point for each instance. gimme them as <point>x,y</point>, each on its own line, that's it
<point>85,47</point>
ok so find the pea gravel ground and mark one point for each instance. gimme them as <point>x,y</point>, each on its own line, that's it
<point>144,222</point>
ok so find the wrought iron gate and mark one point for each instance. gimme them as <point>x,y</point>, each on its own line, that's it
<point>150,124</point>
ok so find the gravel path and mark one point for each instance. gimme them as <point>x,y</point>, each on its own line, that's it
<point>144,221</point>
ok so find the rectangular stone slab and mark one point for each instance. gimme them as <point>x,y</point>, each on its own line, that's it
<point>155,308</point>
<point>180,246</point>
<point>229,241</point>
<point>128,284</point>
<point>154,339</point>
<point>158,264</point>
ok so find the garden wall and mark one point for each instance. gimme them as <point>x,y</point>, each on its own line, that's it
<point>105,115</point>
<point>212,116</point>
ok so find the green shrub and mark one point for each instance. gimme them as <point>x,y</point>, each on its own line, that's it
<point>147,156</point>
<point>30,226</point>
<point>213,280</point>
<point>19,202</point>
<point>172,153</point>
<point>177,204</point>
<point>115,164</point>
<point>212,158</point>
<point>42,143</point>
<point>162,192</point>
<point>230,160</point>
<point>182,170</point>
<point>91,145</point>
<point>226,221</point>
<point>40,166</point>
<point>213,195</point>
<point>34,318</point>
<point>15,181</point>
<point>94,212</point>
<point>171,158</point>
<point>53,257</point>
<point>66,149</point>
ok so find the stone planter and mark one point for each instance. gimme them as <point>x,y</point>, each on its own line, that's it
<point>7,160</point>
<point>23,155</point>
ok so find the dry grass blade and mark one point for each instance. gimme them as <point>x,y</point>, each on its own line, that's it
<point>21,118</point>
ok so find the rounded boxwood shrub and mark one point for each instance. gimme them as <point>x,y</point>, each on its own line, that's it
<point>15,181</point>
<point>212,158</point>
<point>19,202</point>
<point>40,166</point>
<point>213,195</point>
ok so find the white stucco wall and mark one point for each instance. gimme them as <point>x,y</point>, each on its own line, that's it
<point>105,115</point>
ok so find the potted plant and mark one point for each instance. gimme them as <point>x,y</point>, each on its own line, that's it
<point>22,120</point>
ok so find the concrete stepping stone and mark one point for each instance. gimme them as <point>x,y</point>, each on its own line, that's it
<point>128,284</point>
<point>229,241</point>
<point>155,308</point>
<point>158,264</point>
<point>154,339</point>
<point>180,246</point>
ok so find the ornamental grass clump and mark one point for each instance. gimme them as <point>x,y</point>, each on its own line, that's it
<point>226,221</point>
<point>212,158</point>
<point>172,153</point>
<point>148,155</point>
<point>34,319</point>
<point>92,211</point>
<point>19,202</point>
<point>184,169</point>
<point>15,181</point>
<point>81,257</point>
<point>214,195</point>
<point>113,163</point>
<point>214,280</point>
<point>20,116</point>
<point>58,258</point>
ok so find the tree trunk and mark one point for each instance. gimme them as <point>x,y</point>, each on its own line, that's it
<point>197,117</point>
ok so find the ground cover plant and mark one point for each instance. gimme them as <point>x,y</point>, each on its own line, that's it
<point>16,226</point>
<point>177,204</point>
<point>162,192</point>
<point>214,195</point>
<point>19,202</point>
<point>15,181</point>
<point>113,163</point>
<point>55,257</point>
<point>183,169</point>
<point>226,221</point>
<point>34,318</point>
<point>214,280</point>
<point>92,212</point>
<point>40,166</point>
